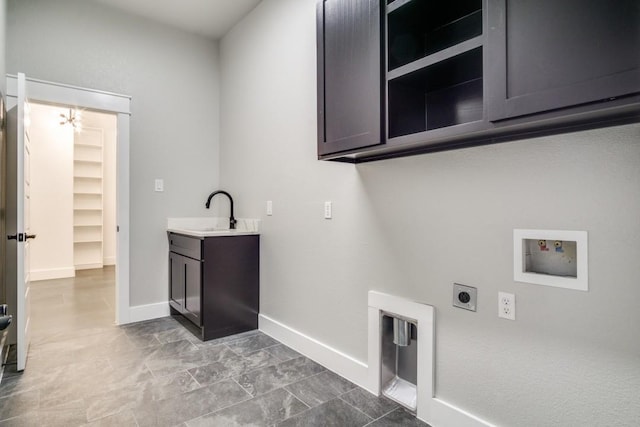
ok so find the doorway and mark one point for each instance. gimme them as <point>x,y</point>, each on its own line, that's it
<point>72,212</point>
<point>39,91</point>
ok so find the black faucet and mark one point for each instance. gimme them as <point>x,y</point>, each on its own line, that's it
<point>232,220</point>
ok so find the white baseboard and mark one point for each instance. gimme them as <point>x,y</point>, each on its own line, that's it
<point>446,414</point>
<point>443,414</point>
<point>52,273</point>
<point>332,359</point>
<point>139,313</point>
<point>88,266</point>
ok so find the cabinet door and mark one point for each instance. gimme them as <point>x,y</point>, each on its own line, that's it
<point>177,281</point>
<point>350,97</point>
<point>193,290</point>
<point>548,54</point>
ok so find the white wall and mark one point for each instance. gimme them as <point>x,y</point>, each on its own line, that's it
<point>172,77</point>
<point>413,226</point>
<point>51,194</point>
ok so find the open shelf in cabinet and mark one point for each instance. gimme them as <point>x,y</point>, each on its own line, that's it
<point>90,201</point>
<point>87,234</point>
<point>87,169</point>
<point>87,153</point>
<point>87,218</point>
<point>87,185</point>
<point>419,28</point>
<point>444,94</point>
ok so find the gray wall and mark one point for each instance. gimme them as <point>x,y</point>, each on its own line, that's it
<point>173,79</point>
<point>413,226</point>
<point>3,36</point>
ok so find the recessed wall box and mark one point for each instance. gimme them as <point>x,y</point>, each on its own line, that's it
<point>551,258</point>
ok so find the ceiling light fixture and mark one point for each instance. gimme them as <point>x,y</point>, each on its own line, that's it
<point>73,118</point>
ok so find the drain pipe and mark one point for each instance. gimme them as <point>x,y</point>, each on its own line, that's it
<point>401,332</point>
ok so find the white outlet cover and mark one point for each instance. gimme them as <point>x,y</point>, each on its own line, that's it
<point>506,305</point>
<point>269,207</point>
<point>159,185</point>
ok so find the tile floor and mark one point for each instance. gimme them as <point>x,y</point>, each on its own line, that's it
<point>83,370</point>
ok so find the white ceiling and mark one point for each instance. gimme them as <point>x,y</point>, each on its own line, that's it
<point>209,18</point>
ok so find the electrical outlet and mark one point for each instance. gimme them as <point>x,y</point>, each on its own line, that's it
<point>269,207</point>
<point>506,305</point>
<point>159,185</point>
<point>465,296</point>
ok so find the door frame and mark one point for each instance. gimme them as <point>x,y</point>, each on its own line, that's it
<point>120,105</point>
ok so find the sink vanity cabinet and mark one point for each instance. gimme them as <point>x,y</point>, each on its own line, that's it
<point>214,282</point>
<point>402,77</point>
<point>185,275</point>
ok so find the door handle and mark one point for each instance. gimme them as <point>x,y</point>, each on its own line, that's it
<point>21,237</point>
<point>5,319</point>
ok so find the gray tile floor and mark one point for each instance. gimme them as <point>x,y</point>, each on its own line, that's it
<point>84,370</point>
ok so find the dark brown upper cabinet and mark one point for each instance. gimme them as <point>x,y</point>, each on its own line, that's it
<point>414,76</point>
<point>350,95</point>
<point>548,54</point>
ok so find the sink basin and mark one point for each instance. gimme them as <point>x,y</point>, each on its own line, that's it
<point>211,227</point>
<point>206,231</point>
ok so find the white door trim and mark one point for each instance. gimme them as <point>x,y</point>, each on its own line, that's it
<point>57,93</point>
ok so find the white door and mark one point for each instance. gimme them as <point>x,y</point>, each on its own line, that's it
<point>18,206</point>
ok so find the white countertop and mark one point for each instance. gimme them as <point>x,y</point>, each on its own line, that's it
<point>213,227</point>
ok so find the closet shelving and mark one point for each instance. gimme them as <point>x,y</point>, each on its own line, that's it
<point>88,198</point>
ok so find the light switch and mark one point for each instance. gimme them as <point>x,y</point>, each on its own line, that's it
<point>327,210</point>
<point>159,185</point>
<point>269,207</point>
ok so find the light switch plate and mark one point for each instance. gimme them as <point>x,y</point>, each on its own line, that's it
<point>269,207</point>
<point>327,210</point>
<point>465,297</point>
<point>159,185</point>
